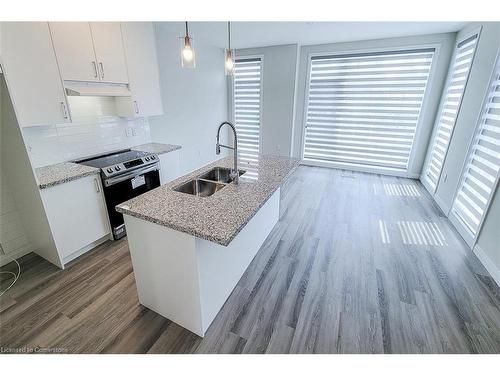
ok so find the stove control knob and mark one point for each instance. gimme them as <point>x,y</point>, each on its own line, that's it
<point>152,157</point>
<point>117,168</point>
<point>110,170</point>
<point>147,158</point>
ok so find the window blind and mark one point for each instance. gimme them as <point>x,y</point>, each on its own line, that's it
<point>247,96</point>
<point>480,174</point>
<point>364,108</point>
<point>449,111</point>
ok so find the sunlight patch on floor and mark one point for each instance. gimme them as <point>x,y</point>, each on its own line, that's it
<point>384,233</point>
<point>401,190</point>
<point>421,233</point>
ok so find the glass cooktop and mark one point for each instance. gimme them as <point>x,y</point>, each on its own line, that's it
<point>103,161</point>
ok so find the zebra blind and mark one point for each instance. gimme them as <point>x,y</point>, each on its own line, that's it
<point>480,174</point>
<point>451,106</point>
<point>247,96</point>
<point>364,108</point>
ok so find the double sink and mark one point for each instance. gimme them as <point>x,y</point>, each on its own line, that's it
<point>207,183</point>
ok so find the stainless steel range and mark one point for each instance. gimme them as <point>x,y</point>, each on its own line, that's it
<point>125,174</point>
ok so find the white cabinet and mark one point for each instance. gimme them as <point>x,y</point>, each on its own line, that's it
<point>77,215</point>
<point>169,166</point>
<point>75,51</point>
<point>108,46</point>
<point>89,51</point>
<point>142,63</point>
<point>30,68</point>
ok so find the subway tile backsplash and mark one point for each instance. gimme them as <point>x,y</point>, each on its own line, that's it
<point>86,135</point>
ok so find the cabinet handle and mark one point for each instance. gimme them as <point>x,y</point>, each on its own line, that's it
<point>102,69</point>
<point>96,74</point>
<point>96,183</point>
<point>136,107</point>
<point>64,110</point>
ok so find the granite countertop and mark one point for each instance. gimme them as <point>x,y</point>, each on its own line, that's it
<point>63,172</point>
<point>156,148</point>
<point>221,216</point>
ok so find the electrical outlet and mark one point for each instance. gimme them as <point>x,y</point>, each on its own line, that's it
<point>134,132</point>
<point>445,177</point>
<point>129,132</point>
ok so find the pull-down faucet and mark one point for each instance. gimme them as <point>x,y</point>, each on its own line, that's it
<point>235,175</point>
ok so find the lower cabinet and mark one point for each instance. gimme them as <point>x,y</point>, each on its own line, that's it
<point>77,215</point>
<point>169,166</point>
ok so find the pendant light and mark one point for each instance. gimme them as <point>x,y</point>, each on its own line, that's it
<point>187,52</point>
<point>229,55</point>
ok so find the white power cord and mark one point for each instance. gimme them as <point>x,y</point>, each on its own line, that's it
<point>16,276</point>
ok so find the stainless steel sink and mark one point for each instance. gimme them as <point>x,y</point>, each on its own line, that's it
<point>200,188</point>
<point>219,174</point>
<point>208,183</point>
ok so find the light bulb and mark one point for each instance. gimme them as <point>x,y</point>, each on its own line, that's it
<point>187,53</point>
<point>229,63</point>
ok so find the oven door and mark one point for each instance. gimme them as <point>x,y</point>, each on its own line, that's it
<point>121,188</point>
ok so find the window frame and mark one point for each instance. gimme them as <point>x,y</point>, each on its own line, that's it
<point>462,229</point>
<point>418,128</point>
<point>460,39</point>
<point>261,109</point>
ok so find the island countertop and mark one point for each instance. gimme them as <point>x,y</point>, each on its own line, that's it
<point>221,216</point>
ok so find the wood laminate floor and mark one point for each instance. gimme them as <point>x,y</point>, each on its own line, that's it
<point>358,263</point>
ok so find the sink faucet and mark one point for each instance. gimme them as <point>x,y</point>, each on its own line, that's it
<point>234,172</point>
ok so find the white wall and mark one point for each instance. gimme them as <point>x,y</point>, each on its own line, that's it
<point>444,44</point>
<point>194,100</point>
<point>278,98</point>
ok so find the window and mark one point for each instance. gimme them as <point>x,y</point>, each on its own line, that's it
<point>481,171</point>
<point>363,109</point>
<point>247,99</point>
<point>450,108</point>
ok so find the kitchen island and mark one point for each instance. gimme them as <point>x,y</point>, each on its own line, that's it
<point>188,252</point>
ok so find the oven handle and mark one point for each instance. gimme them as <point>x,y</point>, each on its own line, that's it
<point>129,175</point>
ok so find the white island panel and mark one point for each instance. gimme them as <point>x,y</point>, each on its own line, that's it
<point>187,279</point>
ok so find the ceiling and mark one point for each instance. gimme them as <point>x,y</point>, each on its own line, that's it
<point>259,34</point>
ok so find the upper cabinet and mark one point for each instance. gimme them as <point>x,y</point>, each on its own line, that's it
<point>41,59</point>
<point>75,51</point>
<point>142,64</point>
<point>31,73</point>
<point>89,51</point>
<point>108,46</point>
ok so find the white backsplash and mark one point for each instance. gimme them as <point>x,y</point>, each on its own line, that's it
<point>94,130</point>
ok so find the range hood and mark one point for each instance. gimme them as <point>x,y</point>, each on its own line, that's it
<point>74,88</point>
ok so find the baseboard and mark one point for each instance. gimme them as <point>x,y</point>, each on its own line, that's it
<point>83,250</point>
<point>443,206</point>
<point>7,258</point>
<point>488,264</point>
<point>360,168</point>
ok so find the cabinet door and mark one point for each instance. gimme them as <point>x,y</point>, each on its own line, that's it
<point>108,46</point>
<point>31,73</point>
<point>74,50</point>
<point>142,63</point>
<point>169,166</point>
<point>77,214</point>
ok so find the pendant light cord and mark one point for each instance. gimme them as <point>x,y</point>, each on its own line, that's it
<point>229,33</point>
<point>187,32</point>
